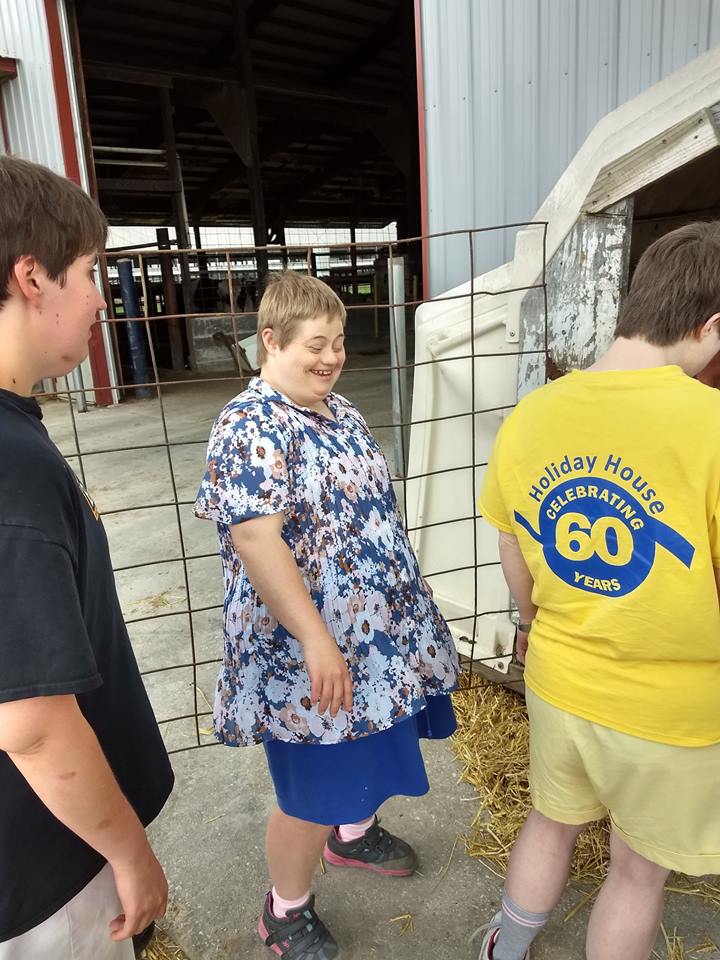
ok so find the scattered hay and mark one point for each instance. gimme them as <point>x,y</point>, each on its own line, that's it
<point>406,923</point>
<point>674,946</point>
<point>707,946</point>
<point>492,745</point>
<point>161,947</point>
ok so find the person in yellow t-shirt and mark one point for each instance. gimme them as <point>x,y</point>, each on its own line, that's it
<point>605,487</point>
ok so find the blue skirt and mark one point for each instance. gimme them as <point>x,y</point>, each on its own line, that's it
<point>347,782</point>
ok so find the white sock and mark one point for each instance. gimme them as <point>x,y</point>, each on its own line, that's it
<point>353,831</point>
<point>281,907</point>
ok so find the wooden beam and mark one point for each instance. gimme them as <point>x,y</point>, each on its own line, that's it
<point>135,185</point>
<point>257,13</point>
<point>185,120</point>
<point>249,138</point>
<point>370,214</point>
<point>329,14</point>
<point>324,118</point>
<point>396,135</point>
<point>94,70</point>
<point>358,150</point>
<point>226,175</point>
<point>163,76</point>
<point>278,140</point>
<point>179,209</point>
<point>237,209</point>
<point>228,108</point>
<point>155,76</point>
<point>366,51</point>
<point>206,15</point>
<point>272,89</point>
<point>275,142</point>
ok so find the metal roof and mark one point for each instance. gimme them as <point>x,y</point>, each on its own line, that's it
<point>513,88</point>
<point>334,83</point>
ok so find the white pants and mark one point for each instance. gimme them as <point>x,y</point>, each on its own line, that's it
<point>78,931</point>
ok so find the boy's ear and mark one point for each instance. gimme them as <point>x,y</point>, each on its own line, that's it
<point>28,276</point>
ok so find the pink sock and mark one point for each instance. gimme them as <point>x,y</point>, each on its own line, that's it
<point>281,907</point>
<point>353,831</point>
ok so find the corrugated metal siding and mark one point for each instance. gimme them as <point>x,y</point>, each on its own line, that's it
<point>513,87</point>
<point>29,100</point>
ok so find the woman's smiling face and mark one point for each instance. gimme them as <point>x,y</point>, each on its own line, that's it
<point>307,368</point>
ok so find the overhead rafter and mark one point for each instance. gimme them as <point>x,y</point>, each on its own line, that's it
<point>274,142</point>
<point>163,75</point>
<point>257,13</point>
<point>236,114</point>
<point>323,210</point>
<point>272,88</point>
<point>135,185</point>
<point>152,76</point>
<point>366,51</point>
<point>345,86</point>
<point>361,148</point>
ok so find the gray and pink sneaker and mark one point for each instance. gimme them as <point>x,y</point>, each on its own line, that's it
<point>489,933</point>
<point>300,936</point>
<point>376,850</point>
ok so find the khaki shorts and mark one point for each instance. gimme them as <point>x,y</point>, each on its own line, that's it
<point>663,800</point>
<point>78,931</point>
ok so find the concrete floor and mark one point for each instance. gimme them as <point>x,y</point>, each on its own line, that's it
<point>210,836</point>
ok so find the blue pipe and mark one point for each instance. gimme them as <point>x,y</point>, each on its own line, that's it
<point>136,341</point>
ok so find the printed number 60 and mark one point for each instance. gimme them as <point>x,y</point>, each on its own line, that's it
<point>577,539</point>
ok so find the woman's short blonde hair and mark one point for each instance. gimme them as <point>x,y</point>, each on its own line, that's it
<point>289,299</point>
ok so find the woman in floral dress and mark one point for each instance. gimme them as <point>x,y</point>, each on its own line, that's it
<point>336,658</point>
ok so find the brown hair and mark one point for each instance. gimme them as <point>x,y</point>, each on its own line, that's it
<point>45,216</point>
<point>289,299</point>
<point>676,286</point>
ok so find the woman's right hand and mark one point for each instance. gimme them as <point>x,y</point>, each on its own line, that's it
<point>330,681</point>
<point>521,646</point>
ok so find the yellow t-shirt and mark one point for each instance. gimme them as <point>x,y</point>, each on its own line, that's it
<point>611,483</point>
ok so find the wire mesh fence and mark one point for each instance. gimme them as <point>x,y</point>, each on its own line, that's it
<point>181,326</point>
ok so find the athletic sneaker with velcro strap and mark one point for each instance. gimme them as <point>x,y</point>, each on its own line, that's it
<point>375,850</point>
<point>489,933</point>
<point>300,936</point>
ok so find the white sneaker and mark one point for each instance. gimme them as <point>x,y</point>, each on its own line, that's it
<point>489,932</point>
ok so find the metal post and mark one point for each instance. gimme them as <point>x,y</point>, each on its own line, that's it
<point>78,384</point>
<point>180,216</point>
<point>131,306</point>
<point>353,259</point>
<point>376,317</point>
<point>398,360</point>
<point>177,352</point>
<point>252,160</point>
<point>283,243</point>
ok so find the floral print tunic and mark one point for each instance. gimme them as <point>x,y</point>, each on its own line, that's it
<point>342,524</point>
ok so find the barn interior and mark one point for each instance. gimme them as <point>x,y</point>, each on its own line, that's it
<point>296,119</point>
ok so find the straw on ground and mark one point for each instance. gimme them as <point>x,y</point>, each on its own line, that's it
<point>161,947</point>
<point>492,746</point>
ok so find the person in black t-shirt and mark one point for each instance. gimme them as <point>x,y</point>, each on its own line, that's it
<point>83,768</point>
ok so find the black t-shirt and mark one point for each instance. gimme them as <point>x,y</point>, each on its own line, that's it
<point>61,632</point>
